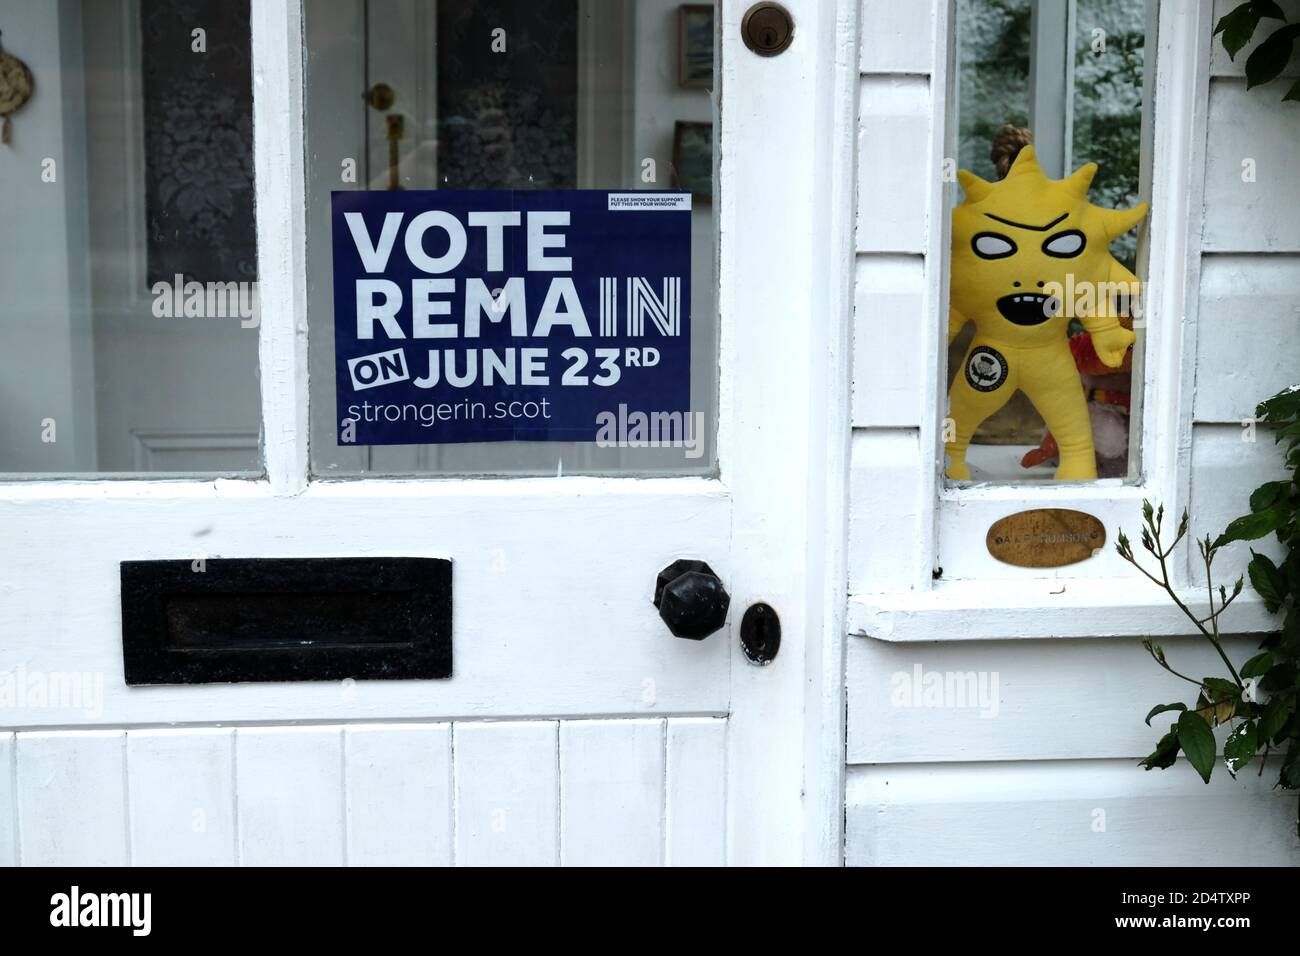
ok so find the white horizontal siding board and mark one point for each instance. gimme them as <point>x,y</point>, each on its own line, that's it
<point>289,796</point>
<point>507,793</point>
<point>894,173</point>
<point>1016,700</point>
<point>611,792</point>
<point>1030,608</point>
<point>888,340</point>
<point>897,37</point>
<point>181,786</point>
<point>1065,813</point>
<point>8,802</point>
<point>1221,65</point>
<point>1249,310</point>
<point>695,821</point>
<point>885,510</point>
<point>1225,470</point>
<point>72,798</point>
<point>398,794</point>
<point>1251,135</point>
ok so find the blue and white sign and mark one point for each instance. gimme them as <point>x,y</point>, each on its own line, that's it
<point>498,315</point>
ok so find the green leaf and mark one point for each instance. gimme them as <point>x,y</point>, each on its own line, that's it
<point>1279,678</point>
<point>1291,570</point>
<point>1290,431</point>
<point>1252,526</point>
<point>1267,8</point>
<point>1220,688</point>
<point>1164,755</point>
<point>1163,708</point>
<point>1290,642</point>
<point>1270,58</point>
<point>1267,494</point>
<point>1290,776</point>
<point>1282,407</point>
<point>1197,741</point>
<point>1240,746</point>
<point>1267,580</point>
<point>1255,667</point>
<point>1237,27</point>
<point>1274,719</point>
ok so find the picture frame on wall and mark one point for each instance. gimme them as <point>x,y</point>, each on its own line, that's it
<point>695,45</point>
<point>693,159</point>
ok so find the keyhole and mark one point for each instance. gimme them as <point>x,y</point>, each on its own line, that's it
<point>769,38</point>
<point>760,633</point>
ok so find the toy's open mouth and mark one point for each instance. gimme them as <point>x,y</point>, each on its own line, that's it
<point>1028,308</point>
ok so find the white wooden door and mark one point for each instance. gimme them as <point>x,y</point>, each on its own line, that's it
<point>574,728</point>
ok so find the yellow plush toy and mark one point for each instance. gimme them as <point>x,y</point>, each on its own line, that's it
<point>1025,251</point>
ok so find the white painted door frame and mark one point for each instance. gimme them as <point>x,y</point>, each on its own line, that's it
<point>787,196</point>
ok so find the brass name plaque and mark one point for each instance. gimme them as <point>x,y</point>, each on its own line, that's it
<point>1045,538</point>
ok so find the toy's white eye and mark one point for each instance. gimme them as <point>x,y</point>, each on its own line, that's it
<point>1065,245</point>
<point>990,245</point>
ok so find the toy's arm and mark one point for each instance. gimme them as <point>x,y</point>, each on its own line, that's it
<point>956,322</point>
<point>1110,339</point>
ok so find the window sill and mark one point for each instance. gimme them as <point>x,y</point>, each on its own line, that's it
<point>1013,610</point>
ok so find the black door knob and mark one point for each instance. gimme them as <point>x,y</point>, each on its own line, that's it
<point>691,599</point>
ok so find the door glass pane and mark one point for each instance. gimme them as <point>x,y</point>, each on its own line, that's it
<point>512,97</point>
<point>128,310</point>
<point>1070,78</point>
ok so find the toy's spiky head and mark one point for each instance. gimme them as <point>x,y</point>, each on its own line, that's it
<point>1012,238</point>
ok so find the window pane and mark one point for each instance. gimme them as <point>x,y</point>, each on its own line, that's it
<point>128,257</point>
<point>510,95</point>
<point>1066,76</point>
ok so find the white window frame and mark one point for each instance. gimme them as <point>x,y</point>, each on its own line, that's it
<point>783,452</point>
<point>977,597</point>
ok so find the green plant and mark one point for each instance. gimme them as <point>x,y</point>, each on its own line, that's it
<point>1274,673</point>
<point>1270,58</point>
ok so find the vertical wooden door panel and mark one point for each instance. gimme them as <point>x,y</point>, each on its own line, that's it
<point>612,795</point>
<point>8,803</point>
<point>72,798</point>
<point>181,786</point>
<point>695,812</point>
<point>289,793</point>
<point>398,789</point>
<point>506,794</point>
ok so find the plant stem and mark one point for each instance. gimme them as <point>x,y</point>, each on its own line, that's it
<point>1190,680</point>
<point>1214,618</point>
<point>1210,636</point>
